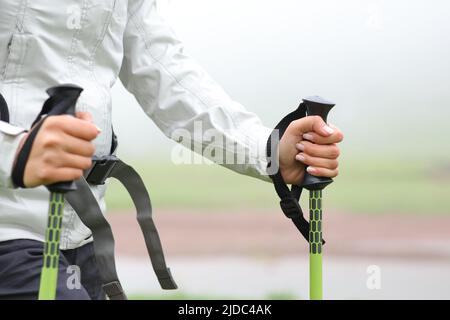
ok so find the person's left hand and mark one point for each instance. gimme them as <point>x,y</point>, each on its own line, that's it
<point>309,141</point>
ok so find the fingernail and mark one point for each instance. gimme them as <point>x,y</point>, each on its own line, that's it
<point>300,157</point>
<point>328,129</point>
<point>300,146</point>
<point>311,170</point>
<point>98,129</point>
<point>308,136</point>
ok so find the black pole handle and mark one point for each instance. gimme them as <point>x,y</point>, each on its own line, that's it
<point>317,106</point>
<point>62,100</point>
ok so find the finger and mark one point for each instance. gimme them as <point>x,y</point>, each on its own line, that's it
<point>330,151</point>
<point>322,172</point>
<point>78,128</point>
<point>331,164</point>
<point>312,124</point>
<point>336,137</point>
<point>86,116</point>
<point>74,161</point>
<point>78,146</point>
<point>63,174</point>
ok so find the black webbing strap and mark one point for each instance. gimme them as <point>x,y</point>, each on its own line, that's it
<point>23,155</point>
<point>141,199</point>
<point>289,202</point>
<point>87,208</point>
<point>4,112</point>
<point>56,104</point>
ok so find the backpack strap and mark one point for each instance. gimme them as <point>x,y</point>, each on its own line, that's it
<point>141,199</point>
<point>87,208</point>
<point>289,198</point>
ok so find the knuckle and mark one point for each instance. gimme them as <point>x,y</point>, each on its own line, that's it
<point>316,122</point>
<point>83,115</point>
<point>90,131</point>
<point>340,136</point>
<point>68,118</point>
<point>306,148</point>
<point>49,123</point>
<point>47,158</point>
<point>90,149</point>
<point>335,172</point>
<point>50,141</point>
<point>58,122</point>
<point>293,125</point>
<point>43,174</point>
<point>335,152</point>
<point>334,164</point>
<point>94,132</point>
<point>307,159</point>
<point>316,119</point>
<point>77,173</point>
<point>310,148</point>
<point>87,163</point>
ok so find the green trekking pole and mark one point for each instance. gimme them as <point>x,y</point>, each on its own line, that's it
<point>315,185</point>
<point>62,101</point>
<point>49,273</point>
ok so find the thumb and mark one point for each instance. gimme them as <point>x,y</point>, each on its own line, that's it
<point>312,124</point>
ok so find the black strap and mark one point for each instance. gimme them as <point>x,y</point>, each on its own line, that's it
<point>289,202</point>
<point>86,206</point>
<point>4,112</point>
<point>141,199</point>
<point>61,101</point>
<point>114,141</point>
<point>22,158</point>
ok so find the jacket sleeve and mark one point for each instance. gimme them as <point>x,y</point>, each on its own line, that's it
<point>10,137</point>
<point>182,99</point>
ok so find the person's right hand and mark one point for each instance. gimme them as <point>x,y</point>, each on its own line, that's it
<point>62,149</point>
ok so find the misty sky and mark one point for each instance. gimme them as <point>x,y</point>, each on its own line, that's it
<point>385,63</point>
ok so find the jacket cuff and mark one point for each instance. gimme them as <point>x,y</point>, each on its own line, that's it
<point>260,136</point>
<point>10,137</point>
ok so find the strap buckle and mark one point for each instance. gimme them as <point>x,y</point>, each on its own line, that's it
<point>291,208</point>
<point>101,169</point>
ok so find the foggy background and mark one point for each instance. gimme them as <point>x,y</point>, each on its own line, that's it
<point>386,64</point>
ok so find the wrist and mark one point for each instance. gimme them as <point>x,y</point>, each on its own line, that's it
<point>10,139</point>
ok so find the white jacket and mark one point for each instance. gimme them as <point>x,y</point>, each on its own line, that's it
<point>90,43</point>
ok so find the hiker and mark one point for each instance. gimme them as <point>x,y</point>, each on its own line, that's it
<point>91,44</point>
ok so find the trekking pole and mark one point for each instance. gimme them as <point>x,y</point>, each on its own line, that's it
<point>315,185</point>
<point>62,101</point>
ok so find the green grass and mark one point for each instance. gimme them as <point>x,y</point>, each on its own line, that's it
<point>391,187</point>
<point>374,186</point>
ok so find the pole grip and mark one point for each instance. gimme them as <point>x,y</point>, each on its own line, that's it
<point>317,106</point>
<point>62,100</point>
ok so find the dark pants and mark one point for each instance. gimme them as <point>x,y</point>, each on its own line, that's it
<point>20,270</point>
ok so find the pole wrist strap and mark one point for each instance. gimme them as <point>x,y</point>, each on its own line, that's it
<point>289,197</point>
